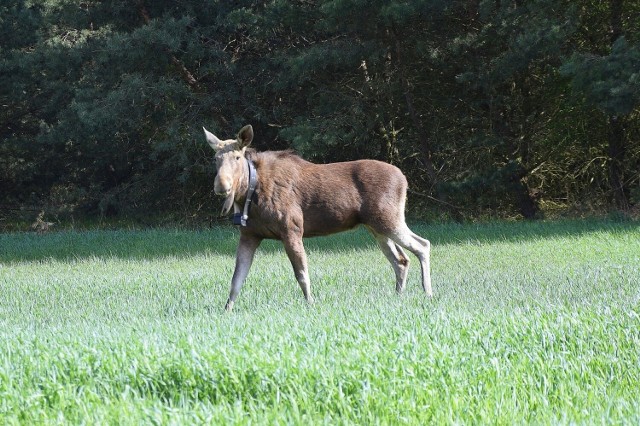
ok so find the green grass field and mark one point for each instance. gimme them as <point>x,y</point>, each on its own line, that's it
<point>530,323</point>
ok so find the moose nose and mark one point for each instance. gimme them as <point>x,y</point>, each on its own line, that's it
<point>222,187</point>
<point>221,190</point>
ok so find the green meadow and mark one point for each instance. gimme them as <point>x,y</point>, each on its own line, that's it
<point>530,323</point>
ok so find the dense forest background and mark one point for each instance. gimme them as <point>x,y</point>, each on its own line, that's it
<point>492,108</point>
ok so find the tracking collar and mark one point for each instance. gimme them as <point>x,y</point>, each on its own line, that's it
<point>241,219</point>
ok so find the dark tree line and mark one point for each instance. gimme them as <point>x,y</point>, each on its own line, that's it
<point>491,108</point>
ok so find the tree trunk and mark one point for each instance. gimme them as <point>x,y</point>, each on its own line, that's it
<point>526,204</point>
<point>426,149</point>
<point>473,7</point>
<point>425,146</point>
<point>516,182</point>
<point>616,149</point>
<point>616,19</point>
<point>616,152</point>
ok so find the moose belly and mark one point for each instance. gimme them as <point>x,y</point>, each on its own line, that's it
<point>325,220</point>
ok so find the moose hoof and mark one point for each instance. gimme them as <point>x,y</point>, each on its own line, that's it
<point>229,306</point>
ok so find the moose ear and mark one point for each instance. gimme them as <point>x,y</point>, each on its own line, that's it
<point>245,136</point>
<point>213,141</point>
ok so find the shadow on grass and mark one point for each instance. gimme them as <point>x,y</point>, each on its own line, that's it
<point>157,243</point>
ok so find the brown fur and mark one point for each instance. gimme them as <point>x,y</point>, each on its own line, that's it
<point>322,199</point>
<point>296,199</point>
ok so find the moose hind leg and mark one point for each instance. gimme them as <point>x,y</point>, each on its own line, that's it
<point>396,256</point>
<point>403,259</point>
<point>421,248</point>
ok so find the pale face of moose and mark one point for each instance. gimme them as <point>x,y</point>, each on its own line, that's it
<point>230,164</point>
<point>296,199</point>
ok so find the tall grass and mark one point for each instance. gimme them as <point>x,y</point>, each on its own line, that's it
<point>530,323</point>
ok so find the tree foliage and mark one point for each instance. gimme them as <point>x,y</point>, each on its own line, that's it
<point>491,108</point>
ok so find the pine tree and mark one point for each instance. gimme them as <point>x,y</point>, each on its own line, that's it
<point>611,83</point>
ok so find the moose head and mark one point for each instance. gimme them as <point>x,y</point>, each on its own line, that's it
<point>231,165</point>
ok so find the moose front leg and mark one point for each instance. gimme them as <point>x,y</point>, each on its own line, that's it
<point>244,257</point>
<point>295,251</point>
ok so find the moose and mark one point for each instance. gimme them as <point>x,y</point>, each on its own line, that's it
<point>279,195</point>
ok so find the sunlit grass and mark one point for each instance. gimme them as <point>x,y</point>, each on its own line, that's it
<point>530,323</point>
